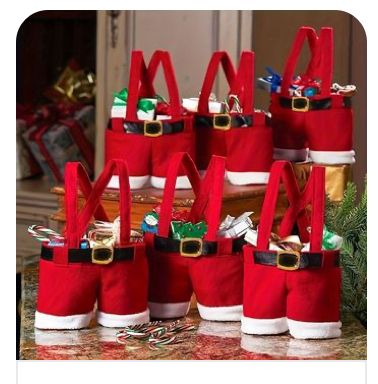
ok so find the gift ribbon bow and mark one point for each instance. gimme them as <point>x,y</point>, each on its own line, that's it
<point>120,99</point>
<point>274,79</point>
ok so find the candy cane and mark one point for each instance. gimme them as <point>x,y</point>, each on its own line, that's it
<point>42,233</point>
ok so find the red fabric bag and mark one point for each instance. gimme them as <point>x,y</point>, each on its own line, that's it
<point>211,267</point>
<point>324,122</point>
<point>287,290</point>
<point>71,279</point>
<point>148,145</point>
<point>244,138</point>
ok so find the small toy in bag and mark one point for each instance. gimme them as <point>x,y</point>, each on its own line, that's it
<point>103,265</point>
<point>290,285</point>
<point>145,130</point>
<point>189,256</point>
<point>308,111</point>
<point>233,129</point>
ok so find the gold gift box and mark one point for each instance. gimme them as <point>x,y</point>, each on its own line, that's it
<point>337,177</point>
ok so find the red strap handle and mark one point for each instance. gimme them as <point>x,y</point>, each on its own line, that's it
<point>78,222</point>
<point>139,73</point>
<point>208,203</point>
<point>321,62</point>
<point>217,58</point>
<point>178,160</point>
<point>245,81</point>
<point>75,176</point>
<point>313,193</point>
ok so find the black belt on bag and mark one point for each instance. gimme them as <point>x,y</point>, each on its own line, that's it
<point>304,104</point>
<point>291,260</point>
<point>193,247</point>
<point>97,255</point>
<point>153,128</point>
<point>225,121</point>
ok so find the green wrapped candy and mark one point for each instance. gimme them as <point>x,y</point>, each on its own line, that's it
<point>181,230</point>
<point>331,241</point>
<point>176,228</point>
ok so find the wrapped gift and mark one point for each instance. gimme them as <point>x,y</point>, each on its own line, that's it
<point>337,177</point>
<point>191,104</point>
<point>146,106</point>
<point>56,141</point>
<point>26,165</point>
<point>74,85</point>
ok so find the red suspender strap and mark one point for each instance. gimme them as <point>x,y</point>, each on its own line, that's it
<point>218,58</point>
<point>178,160</point>
<point>138,74</point>
<point>208,204</point>
<point>318,206</point>
<point>76,176</point>
<point>314,194</point>
<point>326,60</point>
<point>302,34</point>
<point>138,71</point>
<point>115,166</point>
<point>269,204</point>
<point>245,81</point>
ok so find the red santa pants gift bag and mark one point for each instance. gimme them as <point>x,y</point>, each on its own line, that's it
<point>321,120</point>
<point>211,266</point>
<point>148,144</point>
<point>72,279</point>
<point>285,290</point>
<point>239,133</point>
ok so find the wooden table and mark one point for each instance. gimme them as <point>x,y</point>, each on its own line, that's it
<point>236,200</point>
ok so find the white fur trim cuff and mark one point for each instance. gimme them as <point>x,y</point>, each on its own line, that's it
<point>264,326</point>
<point>332,157</point>
<point>117,321</point>
<point>231,313</point>
<point>244,178</point>
<point>290,154</point>
<point>45,321</point>
<point>321,330</point>
<point>168,310</point>
<point>182,182</point>
<point>136,182</point>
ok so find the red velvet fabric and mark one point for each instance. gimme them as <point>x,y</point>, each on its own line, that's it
<point>149,155</point>
<point>120,288</point>
<point>217,280</point>
<point>307,295</point>
<point>247,149</point>
<point>319,130</point>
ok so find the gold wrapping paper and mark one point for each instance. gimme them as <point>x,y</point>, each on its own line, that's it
<point>337,177</point>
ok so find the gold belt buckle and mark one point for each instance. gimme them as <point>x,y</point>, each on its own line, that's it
<point>288,260</point>
<point>222,121</point>
<point>153,128</point>
<point>191,247</point>
<point>304,104</point>
<point>102,254</point>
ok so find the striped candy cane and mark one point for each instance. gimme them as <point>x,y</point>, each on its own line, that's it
<point>43,234</point>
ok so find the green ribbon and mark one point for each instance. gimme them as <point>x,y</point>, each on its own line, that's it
<point>120,100</point>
